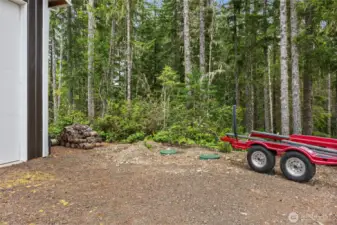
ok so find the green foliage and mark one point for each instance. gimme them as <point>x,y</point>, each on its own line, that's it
<point>320,120</point>
<point>139,136</point>
<point>54,130</point>
<point>107,136</point>
<point>224,147</point>
<point>66,119</point>
<point>191,135</point>
<point>219,146</point>
<point>119,124</point>
<point>163,136</point>
<point>116,128</point>
<point>169,78</point>
<point>148,145</point>
<point>146,120</point>
<point>320,134</point>
<point>164,107</point>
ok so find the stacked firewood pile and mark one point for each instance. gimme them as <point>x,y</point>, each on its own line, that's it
<point>79,136</point>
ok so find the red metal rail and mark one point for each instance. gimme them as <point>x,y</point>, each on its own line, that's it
<point>315,156</point>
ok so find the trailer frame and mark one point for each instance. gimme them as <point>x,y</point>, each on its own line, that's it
<point>298,152</point>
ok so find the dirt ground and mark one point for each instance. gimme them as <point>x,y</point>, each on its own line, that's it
<point>130,184</point>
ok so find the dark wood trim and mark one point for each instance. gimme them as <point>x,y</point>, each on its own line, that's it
<point>54,3</point>
<point>35,71</point>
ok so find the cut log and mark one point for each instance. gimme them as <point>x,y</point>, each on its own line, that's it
<point>98,144</point>
<point>93,134</point>
<point>54,142</point>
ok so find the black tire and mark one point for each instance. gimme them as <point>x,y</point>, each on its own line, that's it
<point>309,170</point>
<point>266,167</point>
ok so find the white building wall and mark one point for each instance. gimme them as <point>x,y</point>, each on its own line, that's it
<point>13,81</point>
<point>23,68</point>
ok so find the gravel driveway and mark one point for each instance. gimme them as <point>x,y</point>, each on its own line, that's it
<point>130,184</point>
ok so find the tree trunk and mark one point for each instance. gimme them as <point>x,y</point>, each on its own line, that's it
<point>112,51</point>
<point>329,104</point>
<point>236,72</point>
<point>250,50</point>
<point>307,80</point>
<point>247,58</point>
<point>249,108</point>
<point>164,106</point>
<point>284,69</point>
<point>129,51</point>
<point>211,34</point>
<point>108,80</point>
<point>335,106</point>
<point>187,53</point>
<point>271,116</point>
<point>276,87</point>
<point>69,57</point>
<point>91,34</point>
<point>266,74</point>
<point>297,120</point>
<point>60,74</point>
<point>307,102</point>
<point>250,100</point>
<point>54,86</point>
<point>202,37</point>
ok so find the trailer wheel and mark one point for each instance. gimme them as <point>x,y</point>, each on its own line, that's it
<point>260,159</point>
<point>297,167</point>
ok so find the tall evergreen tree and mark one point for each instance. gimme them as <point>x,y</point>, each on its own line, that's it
<point>297,119</point>
<point>91,36</point>
<point>187,50</point>
<point>129,50</point>
<point>284,69</point>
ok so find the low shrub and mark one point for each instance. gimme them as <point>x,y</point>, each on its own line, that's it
<point>139,136</point>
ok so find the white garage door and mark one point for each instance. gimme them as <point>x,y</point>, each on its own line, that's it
<point>11,82</point>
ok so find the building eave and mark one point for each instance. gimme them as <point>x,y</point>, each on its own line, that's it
<point>58,3</point>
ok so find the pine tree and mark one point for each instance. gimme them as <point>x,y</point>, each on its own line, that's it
<point>187,51</point>
<point>284,69</point>
<point>297,119</point>
<point>202,37</point>
<point>129,51</point>
<point>91,36</point>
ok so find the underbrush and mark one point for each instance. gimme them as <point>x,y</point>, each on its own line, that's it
<point>67,119</point>
<point>146,122</point>
<point>177,125</point>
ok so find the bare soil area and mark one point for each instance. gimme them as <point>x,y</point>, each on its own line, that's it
<point>130,184</point>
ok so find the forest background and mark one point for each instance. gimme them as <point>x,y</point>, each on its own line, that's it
<point>171,70</point>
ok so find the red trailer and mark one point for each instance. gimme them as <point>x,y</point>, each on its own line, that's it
<point>299,153</point>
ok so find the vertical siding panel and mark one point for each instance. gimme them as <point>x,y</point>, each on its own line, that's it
<point>35,57</point>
